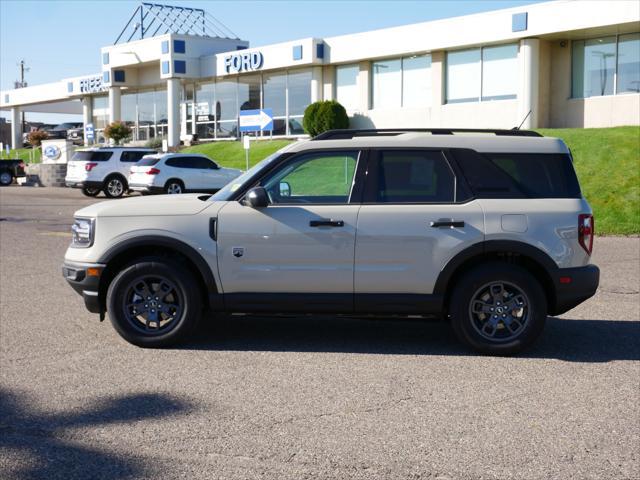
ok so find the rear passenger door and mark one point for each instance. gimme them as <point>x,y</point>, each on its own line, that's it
<point>416,215</point>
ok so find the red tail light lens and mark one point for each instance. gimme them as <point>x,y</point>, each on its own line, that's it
<point>152,171</point>
<point>586,231</point>
<point>89,166</point>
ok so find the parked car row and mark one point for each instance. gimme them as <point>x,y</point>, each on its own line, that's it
<point>117,170</point>
<point>73,131</point>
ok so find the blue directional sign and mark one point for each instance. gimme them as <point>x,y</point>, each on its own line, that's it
<point>89,131</point>
<point>256,120</point>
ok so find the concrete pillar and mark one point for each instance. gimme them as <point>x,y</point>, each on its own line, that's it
<point>316,84</point>
<point>328,79</point>
<point>438,88</point>
<point>114,104</point>
<point>16,128</point>
<point>529,60</point>
<point>87,116</point>
<point>173,112</point>
<point>364,87</point>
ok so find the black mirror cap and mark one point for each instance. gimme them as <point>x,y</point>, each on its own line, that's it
<point>257,198</point>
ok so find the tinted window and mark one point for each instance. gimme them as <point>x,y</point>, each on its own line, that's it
<point>519,175</point>
<point>323,177</point>
<point>148,161</point>
<point>184,162</point>
<point>133,156</point>
<point>204,163</point>
<point>412,177</point>
<point>92,156</point>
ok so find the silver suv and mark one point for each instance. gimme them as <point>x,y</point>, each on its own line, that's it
<point>487,229</point>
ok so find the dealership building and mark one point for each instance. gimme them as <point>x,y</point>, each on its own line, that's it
<point>555,64</point>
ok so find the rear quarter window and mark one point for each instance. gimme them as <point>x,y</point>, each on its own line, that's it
<point>519,175</point>
<point>148,161</point>
<point>133,156</point>
<point>92,156</point>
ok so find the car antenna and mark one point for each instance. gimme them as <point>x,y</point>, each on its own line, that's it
<point>523,120</point>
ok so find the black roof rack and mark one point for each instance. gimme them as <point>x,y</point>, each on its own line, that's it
<point>390,132</point>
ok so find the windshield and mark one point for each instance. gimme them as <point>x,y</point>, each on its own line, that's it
<point>227,192</point>
<point>64,126</point>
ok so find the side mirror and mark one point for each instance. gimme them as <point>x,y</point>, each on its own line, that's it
<point>256,198</point>
<point>285,189</point>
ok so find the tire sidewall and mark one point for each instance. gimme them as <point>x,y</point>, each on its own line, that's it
<point>184,282</point>
<point>471,282</point>
<point>3,183</point>
<point>171,182</point>
<point>86,192</point>
<point>106,186</point>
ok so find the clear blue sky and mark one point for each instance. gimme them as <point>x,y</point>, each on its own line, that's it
<point>60,39</point>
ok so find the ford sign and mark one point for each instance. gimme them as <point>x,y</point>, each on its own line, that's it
<point>52,152</point>
<point>243,62</point>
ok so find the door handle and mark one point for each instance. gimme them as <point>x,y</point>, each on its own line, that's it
<point>326,222</point>
<point>443,222</point>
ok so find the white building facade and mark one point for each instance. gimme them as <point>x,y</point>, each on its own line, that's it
<point>567,63</point>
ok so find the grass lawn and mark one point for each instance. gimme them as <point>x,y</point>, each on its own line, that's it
<point>24,154</point>
<point>607,161</point>
<point>231,154</point>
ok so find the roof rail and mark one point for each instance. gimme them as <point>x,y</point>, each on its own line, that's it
<point>389,132</point>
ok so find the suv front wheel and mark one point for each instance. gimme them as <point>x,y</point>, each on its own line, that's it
<point>154,302</point>
<point>498,308</point>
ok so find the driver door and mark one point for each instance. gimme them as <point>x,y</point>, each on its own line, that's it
<point>299,250</point>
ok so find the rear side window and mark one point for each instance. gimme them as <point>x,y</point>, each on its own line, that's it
<point>148,161</point>
<point>92,156</point>
<point>183,162</point>
<point>133,156</point>
<point>519,175</point>
<point>412,176</point>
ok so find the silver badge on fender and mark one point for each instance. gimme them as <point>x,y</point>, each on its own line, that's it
<point>238,251</point>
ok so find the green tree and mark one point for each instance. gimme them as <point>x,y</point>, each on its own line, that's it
<point>322,116</point>
<point>117,131</point>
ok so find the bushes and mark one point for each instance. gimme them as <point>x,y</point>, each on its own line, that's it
<point>322,116</point>
<point>36,137</point>
<point>117,131</point>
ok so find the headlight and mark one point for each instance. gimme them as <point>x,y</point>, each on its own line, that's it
<point>82,232</point>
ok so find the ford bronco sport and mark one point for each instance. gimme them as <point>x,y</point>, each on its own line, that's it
<point>486,229</point>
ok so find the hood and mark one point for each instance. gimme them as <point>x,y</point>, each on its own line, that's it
<point>188,204</point>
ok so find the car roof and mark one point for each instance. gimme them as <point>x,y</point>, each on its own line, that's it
<point>481,142</point>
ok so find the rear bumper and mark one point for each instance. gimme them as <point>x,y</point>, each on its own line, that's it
<point>139,187</point>
<point>582,286</point>
<point>83,183</point>
<point>84,282</point>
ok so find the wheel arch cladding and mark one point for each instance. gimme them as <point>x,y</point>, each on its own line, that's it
<point>537,262</point>
<point>145,246</point>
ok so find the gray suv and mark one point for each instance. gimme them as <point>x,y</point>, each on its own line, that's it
<point>486,229</point>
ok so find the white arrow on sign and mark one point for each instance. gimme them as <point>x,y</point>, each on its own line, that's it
<point>261,120</point>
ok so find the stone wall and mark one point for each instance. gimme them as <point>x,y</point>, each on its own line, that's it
<point>46,174</point>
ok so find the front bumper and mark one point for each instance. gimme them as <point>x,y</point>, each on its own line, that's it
<point>573,286</point>
<point>83,279</point>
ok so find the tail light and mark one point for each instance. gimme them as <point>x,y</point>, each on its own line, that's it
<point>89,166</point>
<point>586,231</point>
<point>152,171</point>
<point>21,165</point>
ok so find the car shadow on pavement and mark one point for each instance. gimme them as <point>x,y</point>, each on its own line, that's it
<point>40,445</point>
<point>563,339</point>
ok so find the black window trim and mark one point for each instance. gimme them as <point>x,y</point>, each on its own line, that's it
<point>462,193</point>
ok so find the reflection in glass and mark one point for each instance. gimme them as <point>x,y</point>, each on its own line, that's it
<point>593,67</point>
<point>629,63</point>
<point>346,86</point>
<point>499,72</point>
<point>387,83</point>
<point>275,94</point>
<point>416,81</point>
<point>463,76</point>
<point>299,87</point>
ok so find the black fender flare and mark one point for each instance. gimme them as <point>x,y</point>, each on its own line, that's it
<point>165,242</point>
<point>489,247</point>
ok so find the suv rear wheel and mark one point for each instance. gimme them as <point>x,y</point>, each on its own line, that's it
<point>114,186</point>
<point>498,308</point>
<point>154,302</point>
<point>173,187</point>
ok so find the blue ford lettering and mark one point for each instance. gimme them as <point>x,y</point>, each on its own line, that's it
<point>243,62</point>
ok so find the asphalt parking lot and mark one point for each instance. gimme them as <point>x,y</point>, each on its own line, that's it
<point>295,398</point>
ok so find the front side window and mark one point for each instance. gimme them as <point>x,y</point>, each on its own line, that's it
<point>419,176</point>
<point>325,177</point>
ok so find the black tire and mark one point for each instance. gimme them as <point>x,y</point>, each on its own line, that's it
<point>6,178</point>
<point>115,186</point>
<point>173,187</point>
<point>125,295</point>
<point>91,192</point>
<point>475,302</point>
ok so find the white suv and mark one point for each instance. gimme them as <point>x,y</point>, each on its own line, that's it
<point>103,169</point>
<point>179,173</point>
<point>488,230</point>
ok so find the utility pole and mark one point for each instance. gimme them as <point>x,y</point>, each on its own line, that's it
<point>22,84</point>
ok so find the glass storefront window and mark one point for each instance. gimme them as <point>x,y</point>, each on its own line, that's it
<point>463,76</point>
<point>499,72</point>
<point>128,108</point>
<point>346,86</point>
<point>416,81</point>
<point>249,92</point>
<point>593,65</point>
<point>275,94</point>
<point>387,83</point>
<point>100,111</point>
<point>299,87</point>
<point>629,63</point>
